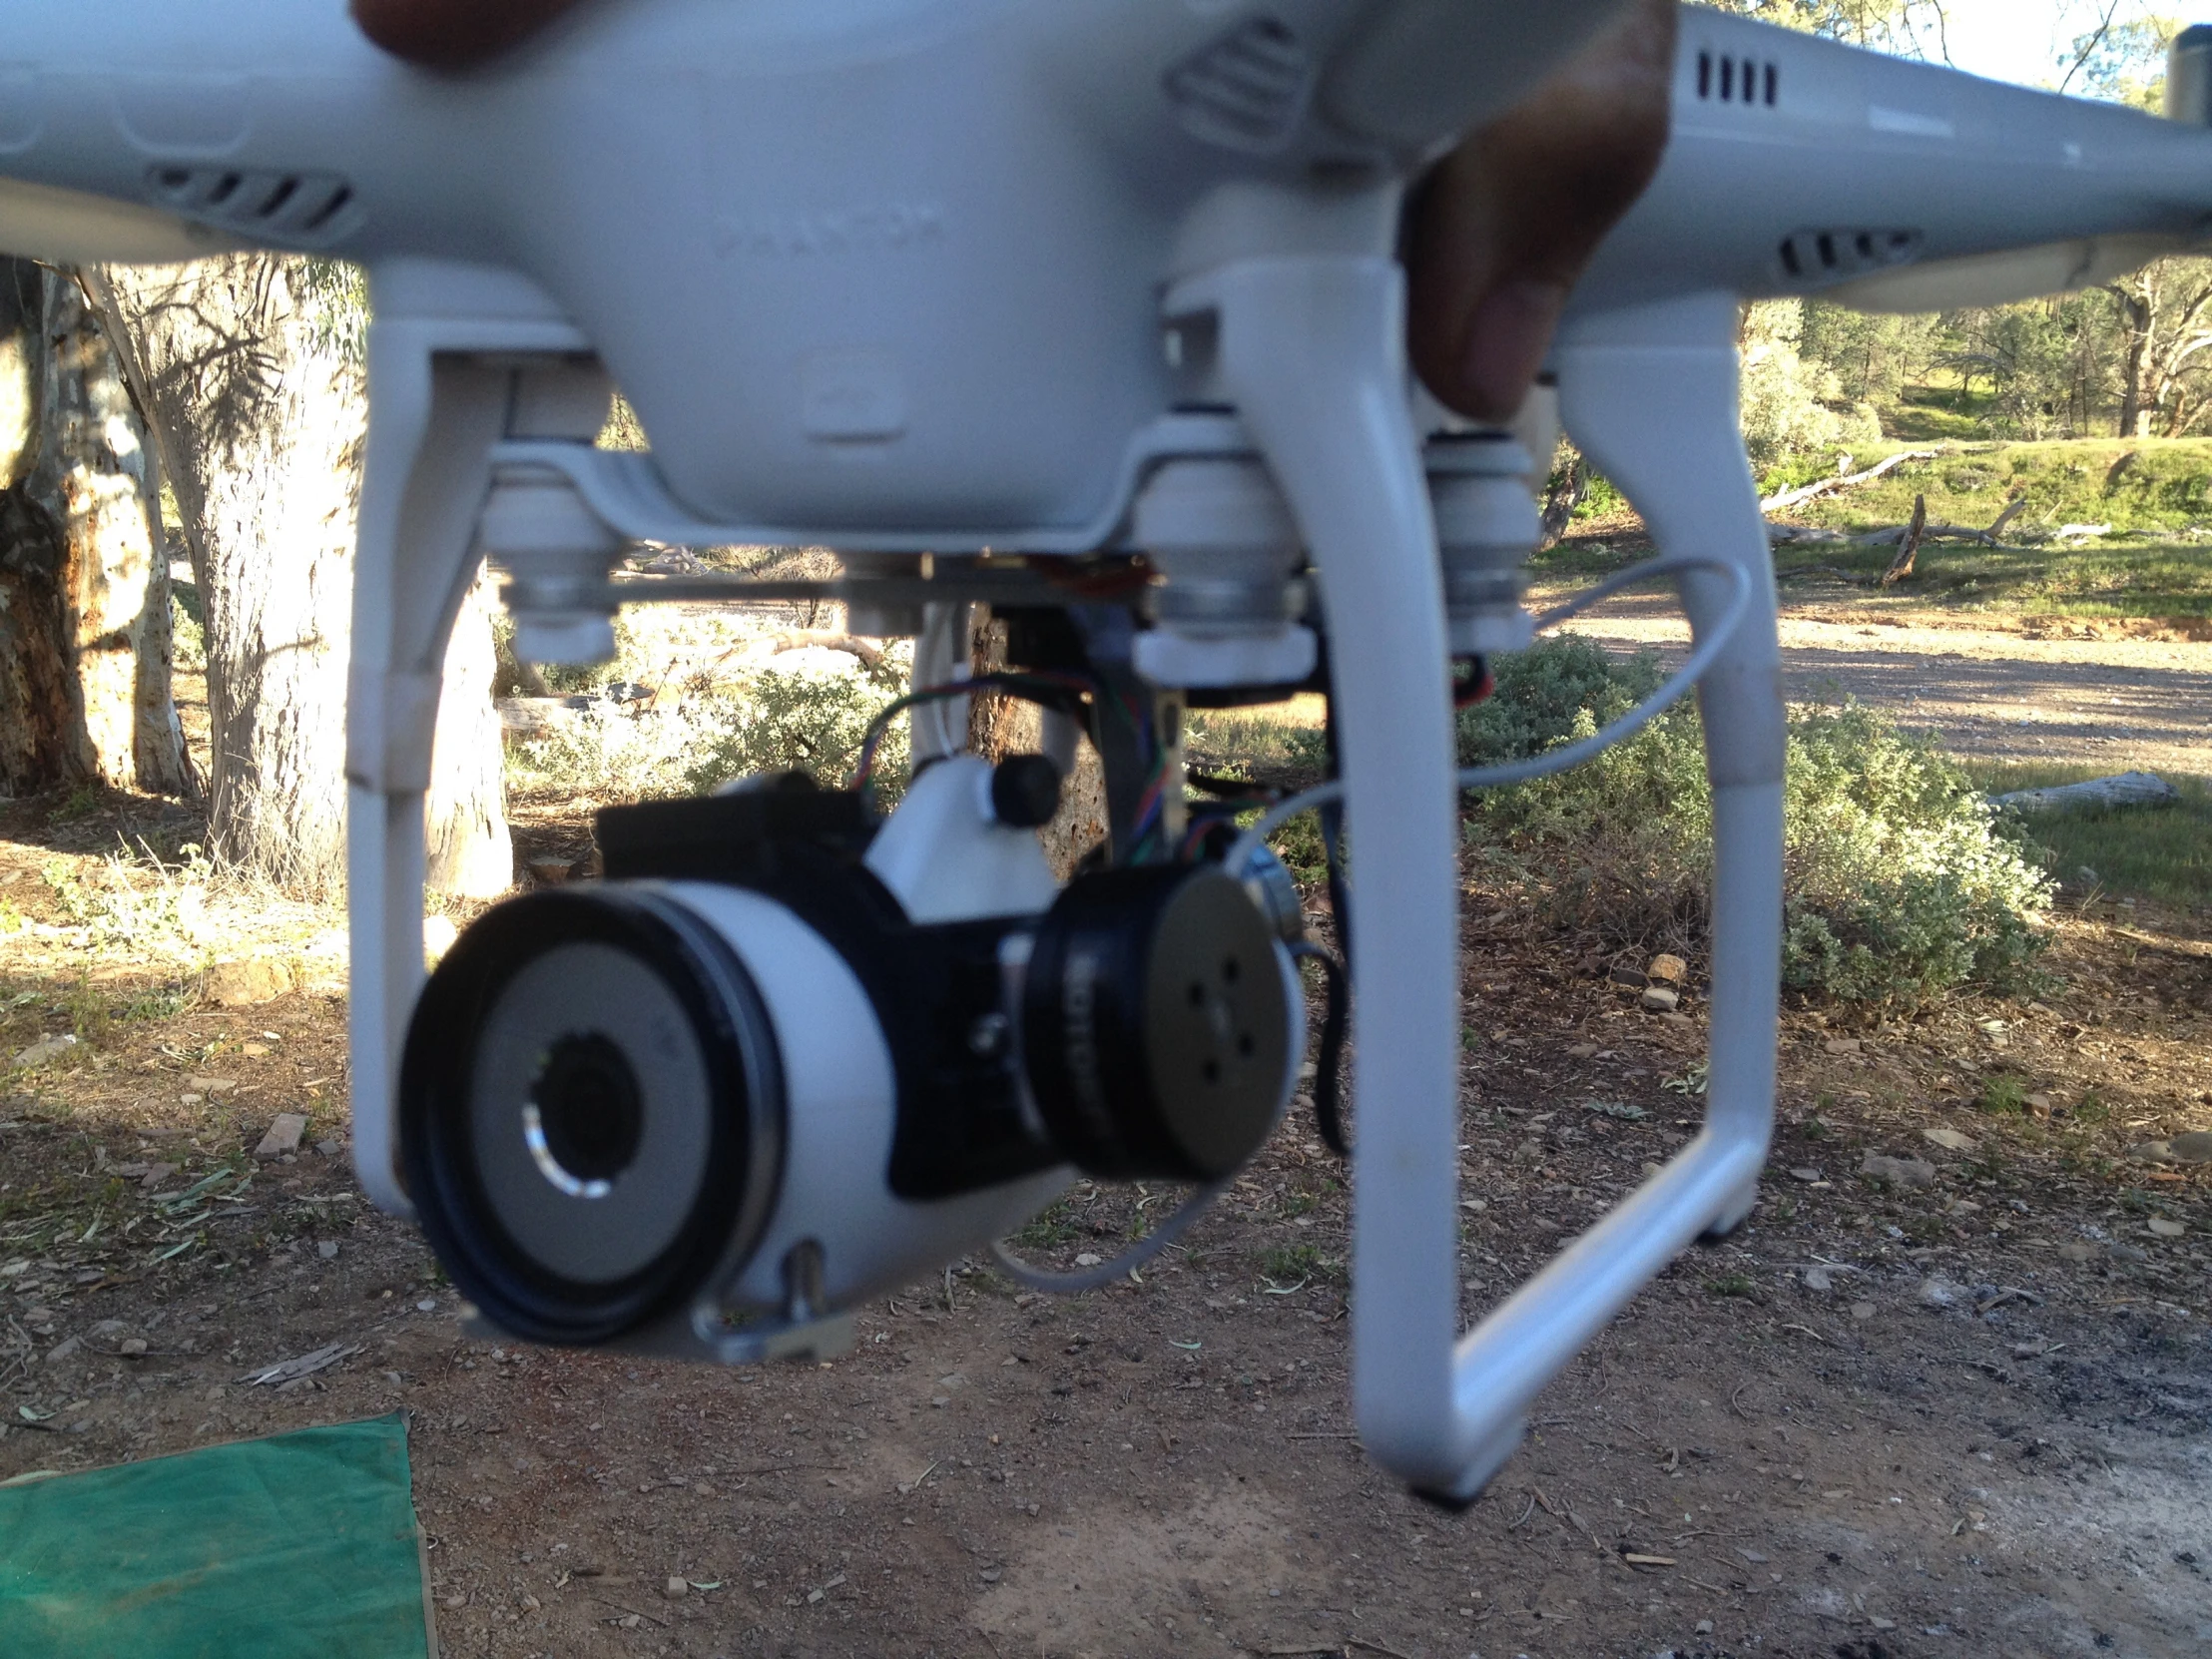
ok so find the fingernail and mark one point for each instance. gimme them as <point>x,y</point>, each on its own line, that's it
<point>1506,344</point>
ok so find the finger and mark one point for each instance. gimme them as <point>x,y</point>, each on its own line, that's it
<point>1505,224</point>
<point>453,34</point>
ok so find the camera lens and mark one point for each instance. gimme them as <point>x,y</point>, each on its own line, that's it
<point>591,1109</point>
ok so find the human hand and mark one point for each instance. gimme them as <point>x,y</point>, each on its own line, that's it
<point>453,34</point>
<point>1498,232</point>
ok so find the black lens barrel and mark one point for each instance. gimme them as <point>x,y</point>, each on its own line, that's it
<point>1156,1024</point>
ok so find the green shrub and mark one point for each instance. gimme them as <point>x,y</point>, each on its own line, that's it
<point>809,721</point>
<point>765,720</point>
<point>1900,880</point>
<point>1899,884</point>
<point>1540,695</point>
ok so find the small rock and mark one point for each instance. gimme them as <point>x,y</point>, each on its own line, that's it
<point>1583,1051</point>
<point>2126,1253</point>
<point>1669,970</point>
<point>1630,977</point>
<point>989,1575</point>
<point>1659,998</point>
<point>246,982</point>
<point>1862,1310</point>
<point>1950,1140</point>
<point>155,1175</point>
<point>2195,1147</point>
<point>428,1305</point>
<point>47,1052</point>
<point>1805,1173</point>
<point>253,1051</point>
<point>2162,1228</point>
<point>675,1588</point>
<point>1843,1045</point>
<point>283,1135</point>
<point>108,1327</point>
<point>1090,1259</point>
<point>329,1149</point>
<point>1704,1627</point>
<point>2040,1105</point>
<point>2152,1152</point>
<point>1899,1171</point>
<point>63,1351</point>
<point>191,1099</point>
<point>1528,1152</point>
<point>131,1348</point>
<point>1937,1291</point>
<point>327,1250</point>
<point>456,1601</point>
<point>2079,1252</point>
<point>1822,1280</point>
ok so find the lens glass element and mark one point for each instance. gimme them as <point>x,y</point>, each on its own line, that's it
<point>590,1112</point>
<point>584,1120</point>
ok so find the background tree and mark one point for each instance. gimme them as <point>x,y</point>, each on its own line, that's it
<point>85,617</point>
<point>255,375</point>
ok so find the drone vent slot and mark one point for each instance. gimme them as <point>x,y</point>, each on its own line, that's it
<point>1820,255</point>
<point>294,208</point>
<point>1246,89</point>
<point>1730,79</point>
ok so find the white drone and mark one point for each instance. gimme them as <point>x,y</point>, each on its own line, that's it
<point>992,297</point>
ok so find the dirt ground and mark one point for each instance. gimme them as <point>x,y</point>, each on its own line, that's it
<point>1971,1417</point>
<point>2119,693</point>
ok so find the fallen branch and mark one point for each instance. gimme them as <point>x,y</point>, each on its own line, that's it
<point>870,651</point>
<point>2129,788</point>
<point>1843,481</point>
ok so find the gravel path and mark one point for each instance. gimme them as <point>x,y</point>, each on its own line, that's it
<point>1996,690</point>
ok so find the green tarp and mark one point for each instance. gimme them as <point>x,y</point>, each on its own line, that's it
<point>302,1546</point>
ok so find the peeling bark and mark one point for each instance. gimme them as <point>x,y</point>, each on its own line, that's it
<point>85,625</point>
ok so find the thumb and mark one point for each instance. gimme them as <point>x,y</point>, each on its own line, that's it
<point>1505,224</point>
<point>453,34</point>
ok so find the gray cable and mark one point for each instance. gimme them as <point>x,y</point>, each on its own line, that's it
<point>1574,754</point>
<point>1091,1279</point>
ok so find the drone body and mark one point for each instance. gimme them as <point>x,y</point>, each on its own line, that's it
<point>977,294</point>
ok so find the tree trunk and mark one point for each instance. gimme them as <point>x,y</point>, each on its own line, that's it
<point>471,854</point>
<point>257,392</point>
<point>85,647</point>
<point>2136,319</point>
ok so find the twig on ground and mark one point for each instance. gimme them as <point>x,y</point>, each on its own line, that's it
<point>633,1612</point>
